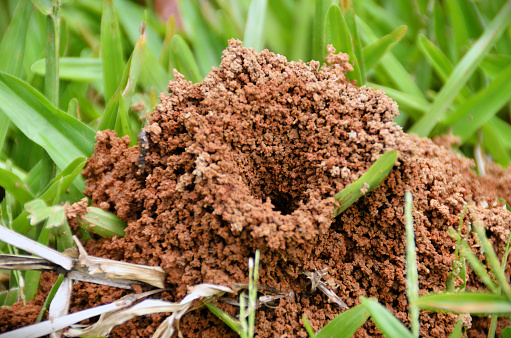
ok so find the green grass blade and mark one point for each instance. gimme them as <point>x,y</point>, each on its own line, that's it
<point>130,15</point>
<point>502,130</point>
<point>11,296</point>
<point>481,107</point>
<point>51,79</point>
<point>440,62</point>
<point>153,75</point>
<point>493,64</point>
<point>389,66</point>
<point>128,83</point>
<point>412,277</point>
<point>414,106</point>
<point>103,223</point>
<point>308,327</point>
<point>345,324</point>
<point>183,60</point>
<point>170,29</point>
<point>389,325</point>
<point>62,136</point>
<point>64,179</point>
<point>207,47</point>
<point>111,50</point>
<point>349,15</point>
<point>375,51</point>
<point>72,108</point>
<point>457,331</point>
<point>12,51</point>
<point>233,323</point>
<point>491,257</point>
<point>318,30</point>
<point>12,47</point>
<point>49,298</point>
<point>478,267</point>
<point>368,182</point>
<point>44,6</point>
<point>494,145</point>
<point>462,72</point>
<point>74,69</point>
<point>254,30</point>
<point>15,186</point>
<point>338,34</point>
<point>465,302</point>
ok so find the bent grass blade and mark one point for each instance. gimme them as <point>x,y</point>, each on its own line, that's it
<point>367,183</point>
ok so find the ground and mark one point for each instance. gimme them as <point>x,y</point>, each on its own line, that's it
<point>250,159</point>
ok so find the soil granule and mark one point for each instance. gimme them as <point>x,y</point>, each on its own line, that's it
<point>250,159</point>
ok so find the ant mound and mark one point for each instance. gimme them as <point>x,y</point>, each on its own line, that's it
<point>250,159</point>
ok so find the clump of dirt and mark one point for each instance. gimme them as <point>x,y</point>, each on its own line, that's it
<point>250,159</point>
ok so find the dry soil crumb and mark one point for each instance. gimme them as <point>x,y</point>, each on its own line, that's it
<point>249,159</point>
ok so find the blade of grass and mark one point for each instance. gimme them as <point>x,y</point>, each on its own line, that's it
<point>412,277</point>
<point>502,130</point>
<point>376,50</point>
<point>126,88</point>
<point>494,63</point>
<point>415,106</point>
<point>51,79</point>
<point>368,182</point>
<point>74,69</point>
<point>440,63</point>
<point>130,15</point>
<point>338,34</point>
<point>152,74</point>
<point>494,145</point>
<point>462,72</point>
<point>12,50</point>
<point>225,317</point>
<point>44,6</point>
<point>389,325</point>
<point>465,302</point>
<point>318,30</point>
<point>389,66</point>
<point>254,30</point>
<point>490,254</point>
<point>182,59</point>
<point>111,50</point>
<point>103,223</point>
<point>33,277</point>
<point>15,186</point>
<point>476,265</point>
<point>49,298</point>
<point>349,14</point>
<point>308,327</point>
<point>12,47</point>
<point>481,107</point>
<point>345,324</point>
<point>21,224</point>
<point>62,136</point>
<point>207,47</point>
<point>302,25</point>
<point>457,331</point>
<point>170,29</point>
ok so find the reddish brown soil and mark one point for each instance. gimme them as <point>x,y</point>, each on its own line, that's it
<point>249,159</point>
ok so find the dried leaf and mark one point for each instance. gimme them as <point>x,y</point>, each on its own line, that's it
<point>113,269</point>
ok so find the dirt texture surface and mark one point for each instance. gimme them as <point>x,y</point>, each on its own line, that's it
<point>250,159</point>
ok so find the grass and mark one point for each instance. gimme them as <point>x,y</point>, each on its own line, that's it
<point>69,69</point>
